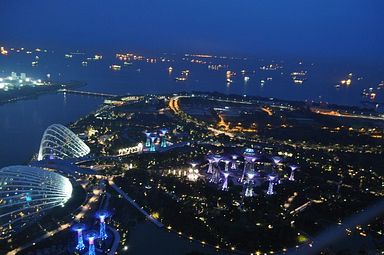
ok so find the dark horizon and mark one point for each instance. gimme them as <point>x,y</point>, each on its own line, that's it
<point>348,30</point>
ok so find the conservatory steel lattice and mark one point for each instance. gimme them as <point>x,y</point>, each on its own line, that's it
<point>59,142</point>
<point>26,193</point>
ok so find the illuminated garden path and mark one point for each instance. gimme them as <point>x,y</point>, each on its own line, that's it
<point>130,200</point>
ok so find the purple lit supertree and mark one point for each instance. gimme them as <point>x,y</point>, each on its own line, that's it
<point>234,162</point>
<point>277,160</point>
<point>91,237</point>
<point>78,228</point>
<point>163,141</point>
<point>272,178</point>
<point>225,183</point>
<point>226,162</point>
<point>250,159</point>
<point>249,184</point>
<point>215,177</point>
<point>256,169</point>
<point>102,215</point>
<point>293,169</point>
<point>210,164</point>
<point>148,140</point>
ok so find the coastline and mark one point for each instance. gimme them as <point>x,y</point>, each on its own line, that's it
<point>35,92</point>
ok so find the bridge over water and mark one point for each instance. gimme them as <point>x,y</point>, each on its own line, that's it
<point>87,93</point>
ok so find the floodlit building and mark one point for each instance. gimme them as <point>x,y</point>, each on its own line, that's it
<point>193,172</point>
<point>59,142</point>
<point>27,193</point>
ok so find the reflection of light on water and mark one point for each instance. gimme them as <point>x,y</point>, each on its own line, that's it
<point>227,87</point>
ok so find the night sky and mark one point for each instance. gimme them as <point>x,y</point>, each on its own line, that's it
<point>352,29</point>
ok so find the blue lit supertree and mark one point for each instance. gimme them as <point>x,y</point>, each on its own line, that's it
<point>102,215</point>
<point>78,228</point>
<point>152,148</point>
<point>148,139</point>
<point>163,141</point>
<point>91,237</point>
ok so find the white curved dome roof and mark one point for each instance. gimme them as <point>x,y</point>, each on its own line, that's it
<point>60,142</point>
<point>26,193</point>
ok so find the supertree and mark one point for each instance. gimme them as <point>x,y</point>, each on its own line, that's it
<point>215,177</point>
<point>234,162</point>
<point>210,164</point>
<point>78,228</point>
<point>226,162</point>
<point>277,160</point>
<point>272,178</point>
<point>102,215</point>
<point>225,183</point>
<point>250,159</point>
<point>293,169</point>
<point>163,141</point>
<point>153,138</point>
<point>249,184</point>
<point>277,163</point>
<point>91,237</point>
<point>148,139</point>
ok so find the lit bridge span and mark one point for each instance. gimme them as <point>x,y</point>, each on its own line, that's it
<point>87,93</point>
